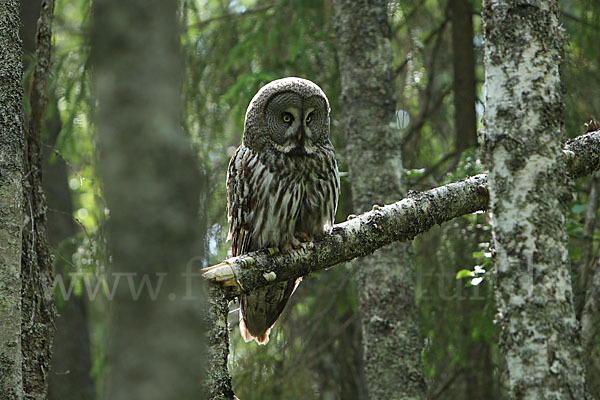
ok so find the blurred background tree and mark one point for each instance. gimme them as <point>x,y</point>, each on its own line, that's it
<point>229,49</point>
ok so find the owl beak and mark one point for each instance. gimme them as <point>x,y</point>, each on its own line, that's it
<point>300,135</point>
<point>298,149</point>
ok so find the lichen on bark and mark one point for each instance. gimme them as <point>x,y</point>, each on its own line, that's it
<point>38,309</point>
<point>217,384</point>
<point>11,200</point>
<point>528,188</point>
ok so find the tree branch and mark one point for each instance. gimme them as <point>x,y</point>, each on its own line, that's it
<point>582,154</point>
<point>367,232</point>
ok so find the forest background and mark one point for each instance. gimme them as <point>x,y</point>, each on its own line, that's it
<point>228,51</point>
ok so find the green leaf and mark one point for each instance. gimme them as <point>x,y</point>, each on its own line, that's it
<point>414,172</point>
<point>463,273</point>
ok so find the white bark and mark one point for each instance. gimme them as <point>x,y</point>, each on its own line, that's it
<point>528,190</point>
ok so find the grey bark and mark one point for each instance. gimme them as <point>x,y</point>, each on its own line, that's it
<point>463,63</point>
<point>11,201</point>
<point>589,285</point>
<point>528,192</point>
<point>362,235</point>
<point>217,382</point>
<point>152,189</point>
<point>586,262</point>
<point>581,155</point>
<point>38,309</point>
<point>392,346</point>
<point>590,329</point>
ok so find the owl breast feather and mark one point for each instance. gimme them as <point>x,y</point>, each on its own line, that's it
<point>276,195</point>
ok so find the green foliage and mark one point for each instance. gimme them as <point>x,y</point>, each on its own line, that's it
<point>314,345</point>
<point>229,50</point>
<point>457,318</point>
<point>464,273</point>
<point>580,73</point>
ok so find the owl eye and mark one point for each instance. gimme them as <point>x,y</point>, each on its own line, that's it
<point>308,119</point>
<point>287,117</point>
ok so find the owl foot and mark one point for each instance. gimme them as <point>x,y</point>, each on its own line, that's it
<point>300,242</point>
<point>295,244</point>
<point>303,237</point>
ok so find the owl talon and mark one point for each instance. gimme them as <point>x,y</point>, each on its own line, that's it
<point>302,237</point>
<point>289,247</point>
<point>306,246</point>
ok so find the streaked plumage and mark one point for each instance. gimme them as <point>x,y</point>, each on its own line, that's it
<point>283,180</point>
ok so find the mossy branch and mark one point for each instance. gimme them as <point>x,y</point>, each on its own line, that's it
<point>383,225</point>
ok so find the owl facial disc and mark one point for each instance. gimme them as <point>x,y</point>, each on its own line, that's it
<point>298,140</point>
<point>289,116</point>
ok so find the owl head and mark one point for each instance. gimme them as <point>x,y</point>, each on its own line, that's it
<point>290,116</point>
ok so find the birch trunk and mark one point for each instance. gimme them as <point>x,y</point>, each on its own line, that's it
<point>528,189</point>
<point>11,201</point>
<point>391,342</point>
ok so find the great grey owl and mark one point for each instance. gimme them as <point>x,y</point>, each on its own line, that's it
<point>282,187</point>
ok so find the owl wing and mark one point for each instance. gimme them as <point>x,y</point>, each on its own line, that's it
<point>239,203</point>
<point>332,194</point>
<point>260,309</point>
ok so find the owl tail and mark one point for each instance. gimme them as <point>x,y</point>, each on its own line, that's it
<point>261,309</point>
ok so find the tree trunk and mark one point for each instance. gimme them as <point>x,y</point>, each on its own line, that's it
<point>590,329</point>
<point>217,382</point>
<point>69,377</point>
<point>152,189</point>
<point>586,261</point>
<point>38,309</point>
<point>528,190</point>
<point>11,201</point>
<point>463,62</point>
<point>391,342</point>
